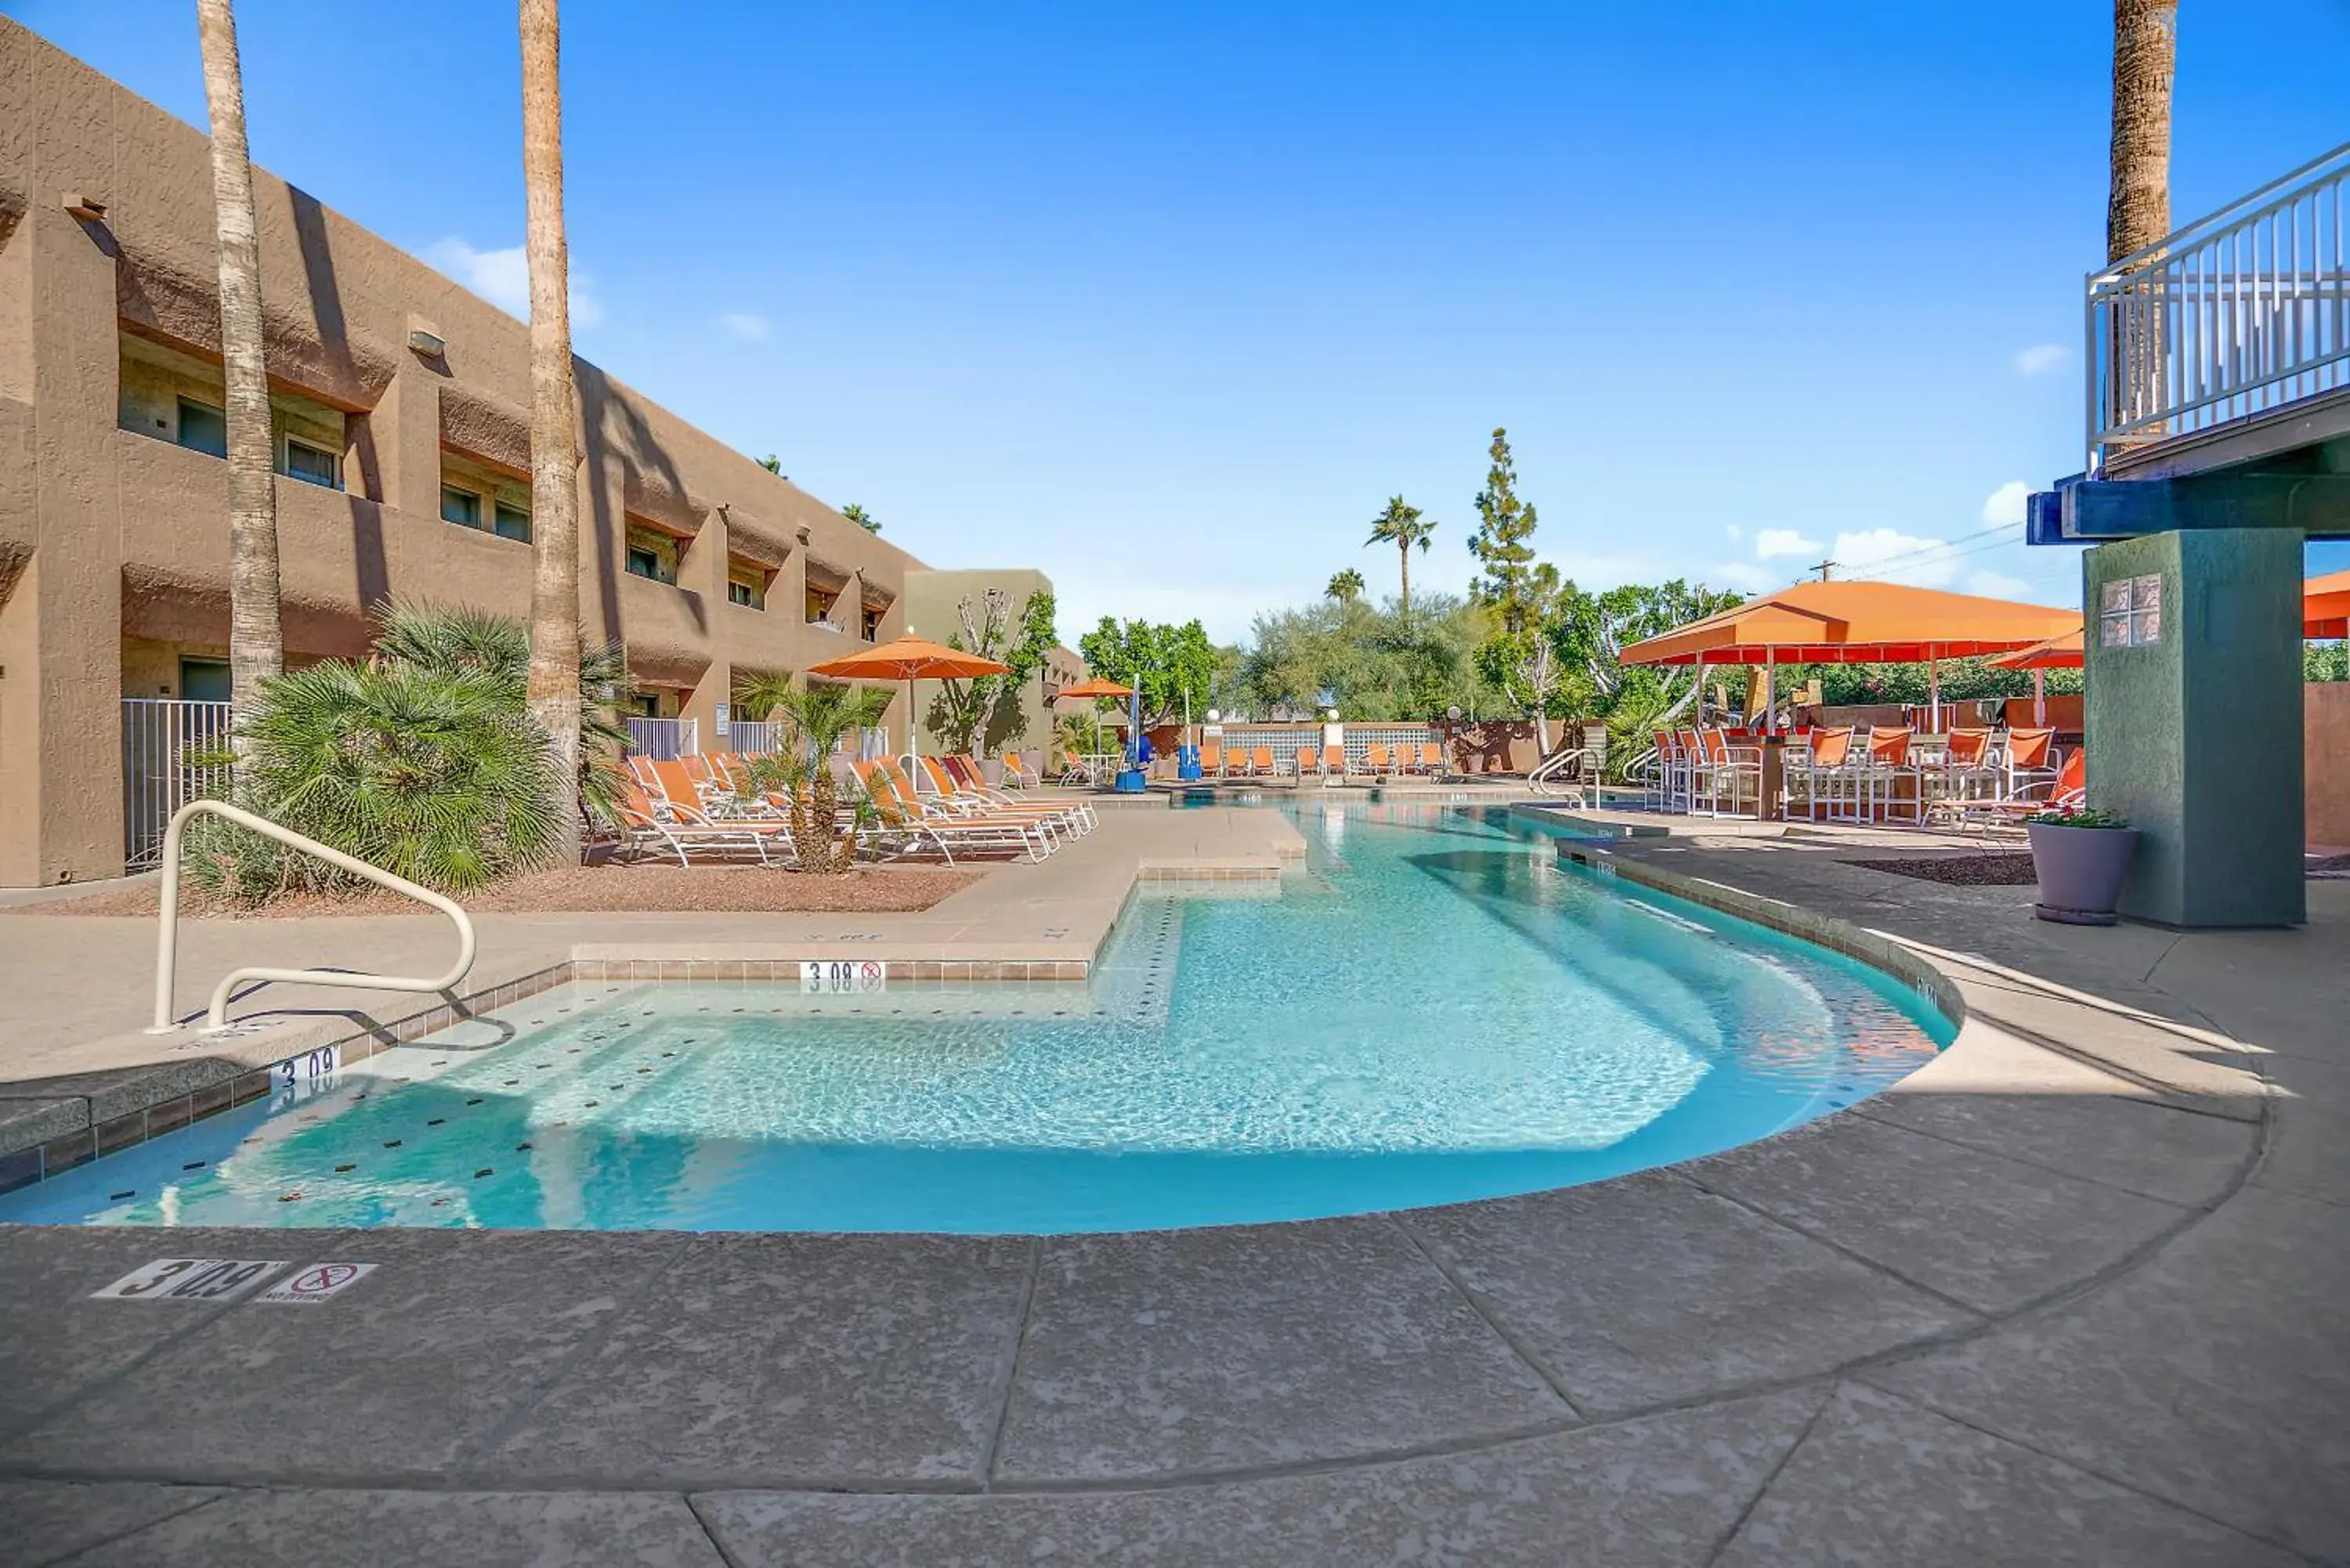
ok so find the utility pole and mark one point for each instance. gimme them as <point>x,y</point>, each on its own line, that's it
<point>1822,568</point>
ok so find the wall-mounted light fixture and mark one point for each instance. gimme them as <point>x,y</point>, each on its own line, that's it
<point>424,339</point>
<point>88,208</point>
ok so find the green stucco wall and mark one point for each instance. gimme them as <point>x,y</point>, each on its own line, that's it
<point>2197,739</point>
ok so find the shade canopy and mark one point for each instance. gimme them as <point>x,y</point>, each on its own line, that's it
<point>1096,687</point>
<point>2325,606</point>
<point>2325,612</point>
<point>909,659</point>
<point>1854,623</point>
<point>2057,653</point>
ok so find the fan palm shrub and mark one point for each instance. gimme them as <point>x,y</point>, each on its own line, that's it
<point>455,639</point>
<point>439,776</point>
<point>815,720</point>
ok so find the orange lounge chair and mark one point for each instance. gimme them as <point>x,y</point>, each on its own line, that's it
<point>1211,760</point>
<point>899,813</point>
<point>2068,790</point>
<point>1431,760</point>
<point>1260,761</point>
<point>1334,762</point>
<point>967,795</point>
<point>686,830</point>
<point>1301,762</point>
<point>1078,810</point>
<point>1375,760</point>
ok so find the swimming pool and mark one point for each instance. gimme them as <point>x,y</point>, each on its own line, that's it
<point>1433,1008</point>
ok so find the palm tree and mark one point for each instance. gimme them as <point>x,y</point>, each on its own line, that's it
<point>2145,59</point>
<point>1401,526</point>
<point>256,640</point>
<point>554,677</point>
<point>1345,587</point>
<point>861,517</point>
<point>815,719</point>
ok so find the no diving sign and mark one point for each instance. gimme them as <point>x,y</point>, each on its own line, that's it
<point>316,1283</point>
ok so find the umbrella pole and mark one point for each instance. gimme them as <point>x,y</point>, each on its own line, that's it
<point>2040,698</point>
<point>1771,690</point>
<point>1934,695</point>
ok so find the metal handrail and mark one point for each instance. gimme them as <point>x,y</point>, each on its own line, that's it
<point>1548,771</point>
<point>2234,314</point>
<point>168,932</point>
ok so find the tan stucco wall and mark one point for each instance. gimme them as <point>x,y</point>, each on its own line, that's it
<point>106,533</point>
<point>2325,762</point>
<point>933,609</point>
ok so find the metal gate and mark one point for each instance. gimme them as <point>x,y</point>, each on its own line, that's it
<point>173,752</point>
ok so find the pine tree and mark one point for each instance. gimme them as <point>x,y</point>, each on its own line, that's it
<point>1503,543</point>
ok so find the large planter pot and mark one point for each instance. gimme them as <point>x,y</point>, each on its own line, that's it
<point>992,770</point>
<point>2080,870</point>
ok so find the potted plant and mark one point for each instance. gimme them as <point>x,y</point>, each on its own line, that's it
<point>2080,857</point>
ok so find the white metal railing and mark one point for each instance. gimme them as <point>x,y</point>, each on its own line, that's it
<point>1549,776</point>
<point>754,735</point>
<point>664,740</point>
<point>2242,312</point>
<point>173,752</point>
<point>167,936</point>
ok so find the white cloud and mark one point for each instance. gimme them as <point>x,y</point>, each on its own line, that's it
<point>750,328</point>
<point>1770,544</point>
<point>502,277</point>
<point>2004,506</point>
<point>1857,554</point>
<point>1997,586</point>
<point>1745,576</point>
<point>1735,533</point>
<point>2041,359</point>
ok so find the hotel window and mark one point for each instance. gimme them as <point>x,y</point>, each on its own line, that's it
<point>511,521</point>
<point>313,465</point>
<point>462,507</point>
<point>871,625</point>
<point>203,427</point>
<point>643,563</point>
<point>743,594</point>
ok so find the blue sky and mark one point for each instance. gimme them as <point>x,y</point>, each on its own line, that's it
<point>1168,301</point>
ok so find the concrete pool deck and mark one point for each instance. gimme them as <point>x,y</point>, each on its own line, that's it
<point>2073,1293</point>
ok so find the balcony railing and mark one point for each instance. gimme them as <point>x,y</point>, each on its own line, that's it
<point>664,740</point>
<point>2234,316</point>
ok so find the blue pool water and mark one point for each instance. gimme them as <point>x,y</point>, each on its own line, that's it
<point>1431,1010</point>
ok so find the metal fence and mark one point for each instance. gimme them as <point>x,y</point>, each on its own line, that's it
<point>173,752</point>
<point>1286,739</point>
<point>664,740</point>
<point>749,736</point>
<point>2245,311</point>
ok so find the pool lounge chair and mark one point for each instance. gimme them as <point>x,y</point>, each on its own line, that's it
<point>687,831</point>
<point>1376,760</point>
<point>942,800</point>
<point>1334,762</point>
<point>2067,789</point>
<point>945,831</point>
<point>1211,760</point>
<point>966,789</point>
<point>1304,763</point>
<point>1260,761</point>
<point>1431,760</point>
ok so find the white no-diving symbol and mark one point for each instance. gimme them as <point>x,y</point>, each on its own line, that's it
<point>316,1283</point>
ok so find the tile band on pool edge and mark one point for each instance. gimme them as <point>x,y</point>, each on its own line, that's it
<point>23,1167</point>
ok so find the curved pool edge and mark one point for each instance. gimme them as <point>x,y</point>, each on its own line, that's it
<point>1858,943</point>
<point>1645,1305</point>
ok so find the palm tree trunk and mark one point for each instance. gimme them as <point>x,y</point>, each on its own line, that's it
<point>1404,604</point>
<point>256,642</point>
<point>2137,206</point>
<point>554,682</point>
<point>2145,59</point>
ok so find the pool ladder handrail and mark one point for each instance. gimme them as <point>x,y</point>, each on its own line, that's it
<point>168,931</point>
<point>1546,773</point>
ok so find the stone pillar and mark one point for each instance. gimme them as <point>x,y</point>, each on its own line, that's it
<point>2195,731</point>
<point>791,582</point>
<point>701,570</point>
<point>61,622</point>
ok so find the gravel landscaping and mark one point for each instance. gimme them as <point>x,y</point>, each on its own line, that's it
<point>2007,868</point>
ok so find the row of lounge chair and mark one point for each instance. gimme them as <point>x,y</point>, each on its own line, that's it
<point>709,805</point>
<point>1327,762</point>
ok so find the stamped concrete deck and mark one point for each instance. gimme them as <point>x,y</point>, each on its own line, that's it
<point>2073,1294</point>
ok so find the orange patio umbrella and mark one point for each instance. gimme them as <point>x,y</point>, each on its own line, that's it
<point>909,659</point>
<point>2054,653</point>
<point>1096,687</point>
<point>1856,623</point>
